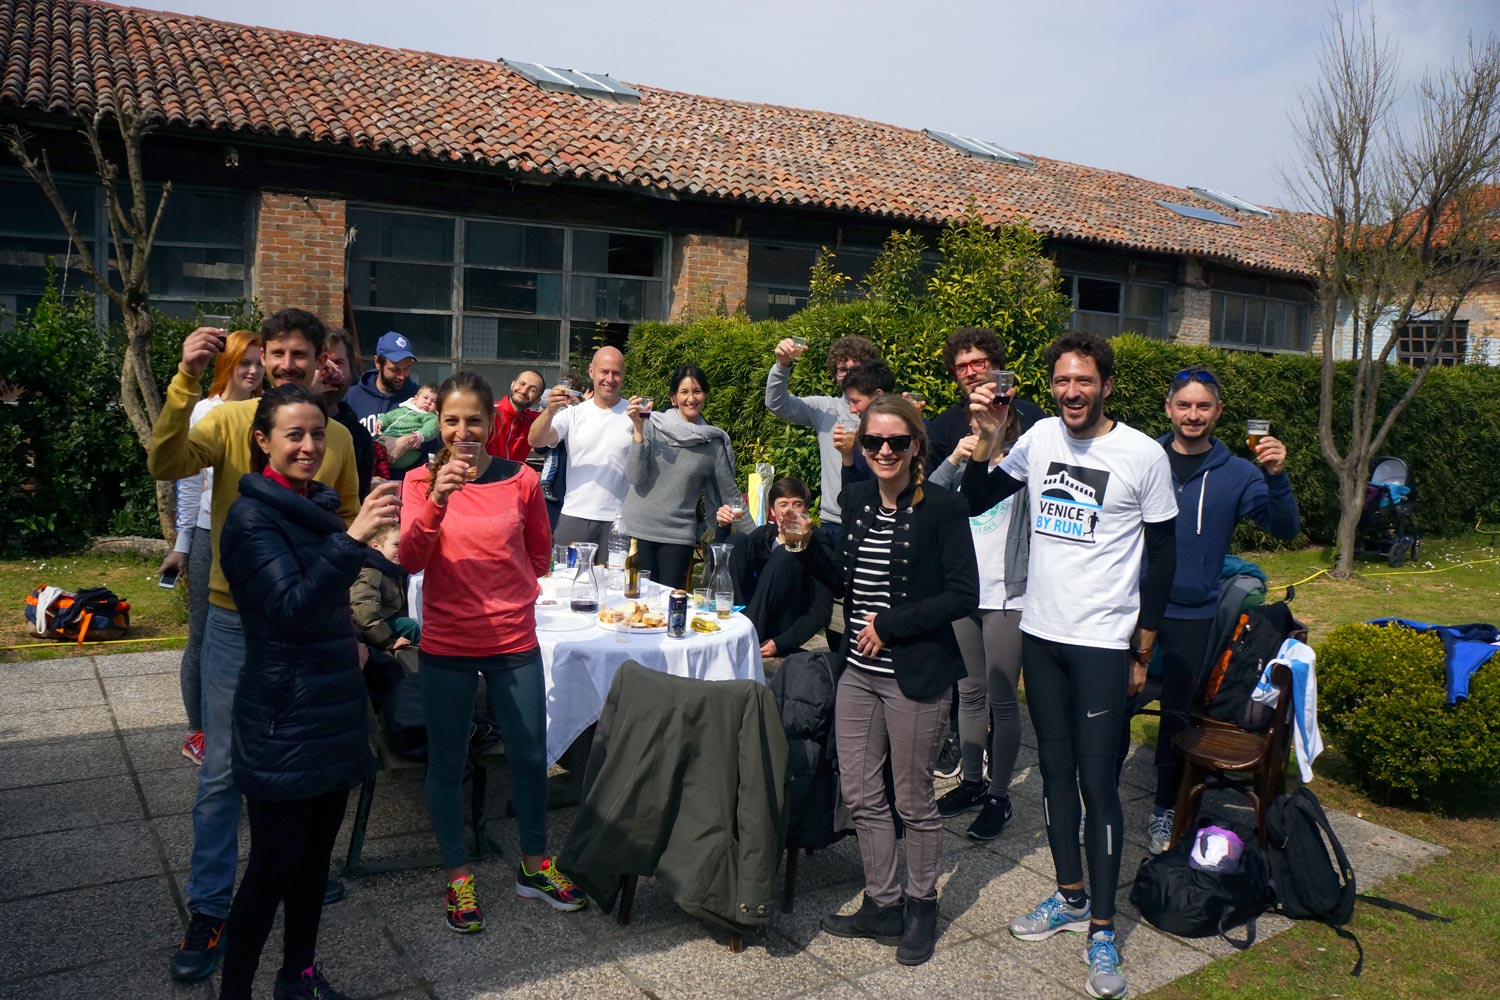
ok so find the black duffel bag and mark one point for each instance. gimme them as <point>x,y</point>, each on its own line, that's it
<point>1195,903</point>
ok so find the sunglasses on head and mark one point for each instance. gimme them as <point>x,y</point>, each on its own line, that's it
<point>873,442</point>
<point>1195,375</point>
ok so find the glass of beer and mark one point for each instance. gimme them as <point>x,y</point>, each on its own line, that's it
<point>1255,430</point>
<point>468,451</point>
<point>796,528</point>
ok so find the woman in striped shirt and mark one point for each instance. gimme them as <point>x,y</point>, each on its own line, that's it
<point>906,572</point>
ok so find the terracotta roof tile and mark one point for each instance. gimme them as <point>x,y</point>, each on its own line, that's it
<point>65,56</point>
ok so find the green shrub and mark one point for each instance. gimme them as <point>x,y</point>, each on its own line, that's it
<point>1381,698</point>
<point>70,464</point>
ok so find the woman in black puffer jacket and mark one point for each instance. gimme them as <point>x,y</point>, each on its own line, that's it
<point>300,738</point>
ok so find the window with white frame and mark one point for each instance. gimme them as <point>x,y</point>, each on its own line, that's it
<point>1417,339</point>
<point>496,296</point>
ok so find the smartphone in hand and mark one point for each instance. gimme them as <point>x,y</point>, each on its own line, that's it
<point>168,579</point>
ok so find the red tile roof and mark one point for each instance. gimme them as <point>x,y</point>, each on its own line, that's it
<point>67,56</point>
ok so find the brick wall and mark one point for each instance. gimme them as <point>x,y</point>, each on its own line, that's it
<point>708,273</point>
<point>1189,304</point>
<point>299,255</point>
<point>1482,310</point>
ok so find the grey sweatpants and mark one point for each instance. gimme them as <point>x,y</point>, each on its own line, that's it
<point>873,720</point>
<point>991,645</point>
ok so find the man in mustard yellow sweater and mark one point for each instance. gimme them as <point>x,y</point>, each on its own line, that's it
<point>293,341</point>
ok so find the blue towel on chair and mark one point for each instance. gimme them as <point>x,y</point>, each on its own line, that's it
<point>1465,647</point>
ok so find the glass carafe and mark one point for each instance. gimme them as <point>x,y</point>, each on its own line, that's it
<point>721,582</point>
<point>586,583</point>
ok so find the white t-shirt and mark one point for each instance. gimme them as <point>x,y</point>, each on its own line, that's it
<point>990,531</point>
<point>1090,500</point>
<point>598,443</point>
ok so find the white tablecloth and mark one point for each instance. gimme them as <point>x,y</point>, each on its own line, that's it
<point>580,664</point>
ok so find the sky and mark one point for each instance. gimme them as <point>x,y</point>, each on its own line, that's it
<point>1182,93</point>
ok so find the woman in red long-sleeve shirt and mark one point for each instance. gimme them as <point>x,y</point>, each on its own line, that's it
<point>482,542</point>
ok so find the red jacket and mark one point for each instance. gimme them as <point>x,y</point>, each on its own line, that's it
<point>508,438</point>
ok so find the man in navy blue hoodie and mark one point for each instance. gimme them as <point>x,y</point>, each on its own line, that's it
<point>387,385</point>
<point>1215,492</point>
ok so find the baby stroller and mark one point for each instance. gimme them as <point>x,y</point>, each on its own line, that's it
<point>1386,528</point>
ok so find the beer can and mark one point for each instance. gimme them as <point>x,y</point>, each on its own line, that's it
<point>677,610</point>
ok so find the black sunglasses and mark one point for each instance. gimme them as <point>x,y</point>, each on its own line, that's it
<point>1195,375</point>
<point>872,442</point>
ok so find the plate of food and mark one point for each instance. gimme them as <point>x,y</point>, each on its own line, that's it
<point>632,617</point>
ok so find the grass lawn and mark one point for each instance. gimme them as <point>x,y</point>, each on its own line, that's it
<point>1404,958</point>
<point>156,615</point>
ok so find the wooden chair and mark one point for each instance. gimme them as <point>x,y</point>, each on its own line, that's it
<point>392,764</point>
<point>1220,753</point>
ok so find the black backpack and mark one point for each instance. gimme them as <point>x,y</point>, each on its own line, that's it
<point>1195,903</point>
<point>1235,673</point>
<point>1308,885</point>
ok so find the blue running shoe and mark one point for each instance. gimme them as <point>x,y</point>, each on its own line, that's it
<point>1105,981</point>
<point>1051,915</point>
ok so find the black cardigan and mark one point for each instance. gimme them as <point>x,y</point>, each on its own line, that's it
<point>934,582</point>
<point>299,711</point>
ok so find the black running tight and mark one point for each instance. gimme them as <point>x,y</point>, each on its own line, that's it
<point>1076,697</point>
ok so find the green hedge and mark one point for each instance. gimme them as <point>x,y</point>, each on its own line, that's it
<point>1381,700</point>
<point>1449,435</point>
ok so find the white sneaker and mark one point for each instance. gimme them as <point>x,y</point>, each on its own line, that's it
<point>1159,830</point>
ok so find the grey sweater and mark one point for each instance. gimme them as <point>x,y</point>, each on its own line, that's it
<point>675,464</point>
<point>822,414</point>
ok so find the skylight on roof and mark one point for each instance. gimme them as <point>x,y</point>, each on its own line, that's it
<point>980,148</point>
<point>1230,201</point>
<point>572,81</point>
<point>1201,214</point>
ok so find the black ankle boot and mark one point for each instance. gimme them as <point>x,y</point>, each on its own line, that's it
<point>871,920</point>
<point>920,935</point>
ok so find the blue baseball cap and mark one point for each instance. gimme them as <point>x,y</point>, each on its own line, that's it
<point>394,347</point>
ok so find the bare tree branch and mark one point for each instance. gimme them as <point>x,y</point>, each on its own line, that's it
<point>1401,240</point>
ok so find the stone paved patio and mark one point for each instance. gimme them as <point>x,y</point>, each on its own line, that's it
<point>95,833</point>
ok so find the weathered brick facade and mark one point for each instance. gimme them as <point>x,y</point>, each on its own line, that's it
<point>299,255</point>
<point>1189,305</point>
<point>1482,310</point>
<point>709,273</point>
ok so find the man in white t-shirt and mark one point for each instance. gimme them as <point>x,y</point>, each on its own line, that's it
<point>1101,500</point>
<point>598,435</point>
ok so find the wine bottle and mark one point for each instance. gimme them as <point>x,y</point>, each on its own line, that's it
<point>632,572</point>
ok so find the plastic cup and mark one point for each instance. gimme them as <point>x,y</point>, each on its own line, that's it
<point>646,403</point>
<point>724,603</point>
<point>701,598</point>
<point>799,342</point>
<point>1003,381</point>
<point>468,451</point>
<point>1255,430</point>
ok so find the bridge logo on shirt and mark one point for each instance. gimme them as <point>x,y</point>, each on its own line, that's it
<point>1070,502</point>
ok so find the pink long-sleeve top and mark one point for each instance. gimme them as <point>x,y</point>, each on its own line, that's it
<point>482,552</point>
